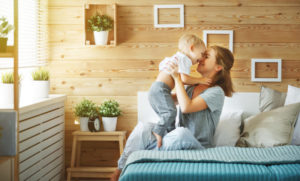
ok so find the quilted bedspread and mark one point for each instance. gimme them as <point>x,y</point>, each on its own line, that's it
<point>220,163</point>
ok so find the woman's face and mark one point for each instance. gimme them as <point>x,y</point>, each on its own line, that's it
<point>208,65</point>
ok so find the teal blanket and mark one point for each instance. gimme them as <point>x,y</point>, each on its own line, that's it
<point>245,161</point>
<point>280,154</point>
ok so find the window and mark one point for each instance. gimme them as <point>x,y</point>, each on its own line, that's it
<point>33,35</point>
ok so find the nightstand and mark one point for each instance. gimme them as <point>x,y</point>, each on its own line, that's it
<point>92,172</point>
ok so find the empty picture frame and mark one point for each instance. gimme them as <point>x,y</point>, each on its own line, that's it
<point>255,60</point>
<point>220,32</point>
<point>177,6</point>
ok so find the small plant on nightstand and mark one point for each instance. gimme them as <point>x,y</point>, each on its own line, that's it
<point>87,110</point>
<point>41,83</point>
<point>100,25</point>
<point>109,110</point>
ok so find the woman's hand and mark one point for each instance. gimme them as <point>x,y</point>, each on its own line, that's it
<point>159,139</point>
<point>172,68</point>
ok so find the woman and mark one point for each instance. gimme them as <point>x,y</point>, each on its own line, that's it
<point>200,109</point>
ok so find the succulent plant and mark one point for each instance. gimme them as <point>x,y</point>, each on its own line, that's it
<point>100,23</point>
<point>109,108</point>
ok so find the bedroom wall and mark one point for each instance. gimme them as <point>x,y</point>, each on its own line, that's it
<point>262,29</point>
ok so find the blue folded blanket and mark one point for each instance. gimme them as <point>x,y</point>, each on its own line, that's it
<point>265,156</point>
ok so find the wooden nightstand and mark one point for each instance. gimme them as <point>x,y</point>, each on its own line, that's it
<point>93,172</point>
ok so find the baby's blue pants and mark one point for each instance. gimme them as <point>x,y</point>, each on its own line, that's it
<point>141,138</point>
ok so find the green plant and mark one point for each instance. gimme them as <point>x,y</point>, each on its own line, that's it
<point>40,74</point>
<point>8,78</point>
<point>5,28</point>
<point>109,108</point>
<point>100,23</point>
<point>86,108</point>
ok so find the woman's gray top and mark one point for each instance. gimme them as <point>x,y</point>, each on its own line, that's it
<point>202,124</point>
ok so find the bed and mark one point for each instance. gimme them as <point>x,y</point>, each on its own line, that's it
<point>219,163</point>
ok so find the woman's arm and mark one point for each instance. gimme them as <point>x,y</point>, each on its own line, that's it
<point>186,104</point>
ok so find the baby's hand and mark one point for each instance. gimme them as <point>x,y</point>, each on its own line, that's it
<point>206,81</point>
<point>158,139</point>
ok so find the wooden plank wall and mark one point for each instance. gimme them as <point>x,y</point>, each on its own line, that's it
<point>262,29</point>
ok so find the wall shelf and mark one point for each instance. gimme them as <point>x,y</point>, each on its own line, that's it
<point>9,53</point>
<point>104,46</point>
<point>107,9</point>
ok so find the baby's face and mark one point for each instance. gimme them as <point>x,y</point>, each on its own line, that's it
<point>197,54</point>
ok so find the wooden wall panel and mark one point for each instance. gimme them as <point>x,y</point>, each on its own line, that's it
<point>216,15</point>
<point>262,29</point>
<point>68,34</point>
<point>127,51</point>
<point>70,3</point>
<point>110,68</point>
<point>242,33</point>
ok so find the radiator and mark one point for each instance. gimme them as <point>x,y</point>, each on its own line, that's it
<point>41,143</point>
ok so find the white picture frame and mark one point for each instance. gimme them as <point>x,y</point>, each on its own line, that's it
<point>219,32</point>
<point>175,6</point>
<point>260,60</point>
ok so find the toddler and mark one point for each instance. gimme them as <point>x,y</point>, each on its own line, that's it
<point>191,51</point>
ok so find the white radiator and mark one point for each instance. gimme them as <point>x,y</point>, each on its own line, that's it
<point>41,143</point>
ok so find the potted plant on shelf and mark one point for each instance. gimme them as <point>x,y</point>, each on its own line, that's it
<point>100,25</point>
<point>86,110</point>
<point>7,90</point>
<point>40,83</point>
<point>109,110</point>
<point>5,28</point>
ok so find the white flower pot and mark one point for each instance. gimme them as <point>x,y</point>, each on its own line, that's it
<point>6,95</point>
<point>84,123</point>
<point>40,89</point>
<point>101,37</point>
<point>109,123</point>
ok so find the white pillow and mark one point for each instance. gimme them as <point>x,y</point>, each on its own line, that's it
<point>293,96</point>
<point>228,128</point>
<point>271,128</point>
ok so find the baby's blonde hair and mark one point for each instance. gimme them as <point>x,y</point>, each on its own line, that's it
<point>187,40</point>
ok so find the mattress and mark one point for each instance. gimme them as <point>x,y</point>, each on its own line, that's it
<point>221,163</point>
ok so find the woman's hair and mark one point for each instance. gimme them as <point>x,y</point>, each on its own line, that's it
<point>224,58</point>
<point>187,40</point>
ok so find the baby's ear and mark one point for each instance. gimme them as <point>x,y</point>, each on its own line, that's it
<point>192,48</point>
